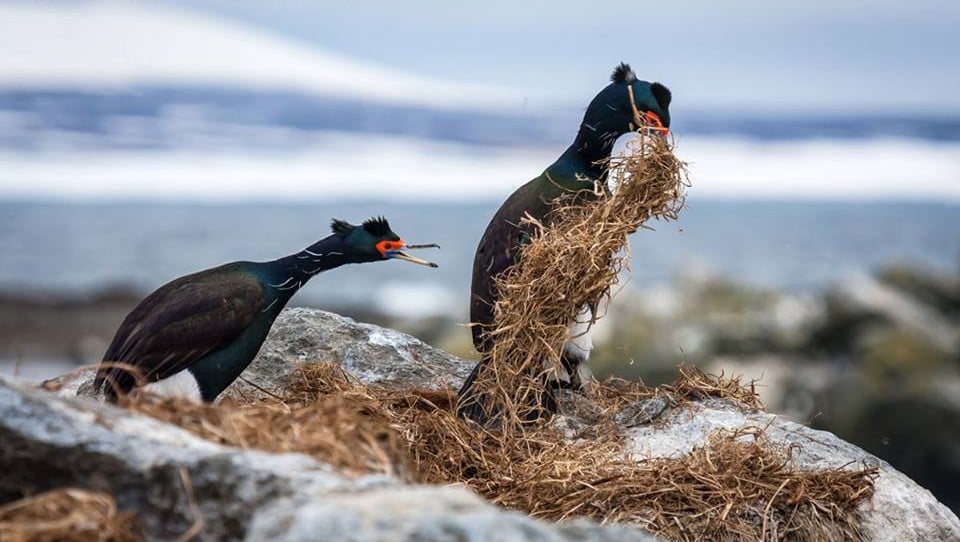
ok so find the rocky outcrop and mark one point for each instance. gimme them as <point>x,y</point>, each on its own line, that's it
<point>148,465</point>
<point>373,354</point>
<point>899,510</point>
<point>174,480</point>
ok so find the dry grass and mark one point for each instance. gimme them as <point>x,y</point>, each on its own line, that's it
<point>573,259</point>
<point>66,515</point>
<point>334,421</point>
<point>693,384</point>
<point>739,486</point>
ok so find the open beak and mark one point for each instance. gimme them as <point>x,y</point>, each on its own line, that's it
<point>648,119</point>
<point>655,125</point>
<point>413,259</point>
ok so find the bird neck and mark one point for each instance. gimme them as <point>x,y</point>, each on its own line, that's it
<point>292,272</point>
<point>594,143</point>
<point>581,164</point>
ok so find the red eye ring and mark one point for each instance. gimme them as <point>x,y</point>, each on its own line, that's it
<point>388,246</point>
<point>653,119</point>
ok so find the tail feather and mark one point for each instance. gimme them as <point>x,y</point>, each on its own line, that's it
<point>472,404</point>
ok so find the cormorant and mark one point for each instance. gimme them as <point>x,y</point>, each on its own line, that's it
<point>192,337</point>
<point>621,107</point>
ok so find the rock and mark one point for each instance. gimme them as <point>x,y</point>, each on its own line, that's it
<point>76,382</point>
<point>899,510</point>
<point>173,480</point>
<point>867,296</point>
<point>915,428</point>
<point>940,291</point>
<point>374,354</point>
<point>421,514</point>
<point>290,497</point>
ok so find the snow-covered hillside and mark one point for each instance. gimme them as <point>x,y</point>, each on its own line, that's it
<point>105,45</point>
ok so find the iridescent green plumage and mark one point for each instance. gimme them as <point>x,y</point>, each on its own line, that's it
<point>609,115</point>
<point>210,325</point>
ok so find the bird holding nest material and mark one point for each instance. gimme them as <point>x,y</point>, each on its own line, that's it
<point>194,336</point>
<point>625,105</point>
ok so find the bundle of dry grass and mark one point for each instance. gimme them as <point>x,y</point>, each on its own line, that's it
<point>737,487</point>
<point>330,419</point>
<point>573,262</point>
<point>692,384</point>
<point>66,515</point>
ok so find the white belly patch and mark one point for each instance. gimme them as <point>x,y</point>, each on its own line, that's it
<point>182,385</point>
<point>581,336</point>
<point>578,348</point>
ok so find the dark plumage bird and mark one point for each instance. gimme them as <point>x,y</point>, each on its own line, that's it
<point>194,336</point>
<point>616,110</point>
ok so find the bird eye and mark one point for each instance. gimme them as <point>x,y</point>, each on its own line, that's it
<point>653,119</point>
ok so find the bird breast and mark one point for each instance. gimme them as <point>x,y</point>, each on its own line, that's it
<point>182,385</point>
<point>581,336</point>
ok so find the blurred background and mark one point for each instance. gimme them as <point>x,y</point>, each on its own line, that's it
<point>819,251</point>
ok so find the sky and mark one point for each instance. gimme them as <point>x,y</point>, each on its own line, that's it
<point>751,54</point>
<point>757,57</point>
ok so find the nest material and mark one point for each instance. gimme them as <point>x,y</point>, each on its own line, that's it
<point>330,419</point>
<point>573,259</point>
<point>739,486</point>
<point>66,515</point>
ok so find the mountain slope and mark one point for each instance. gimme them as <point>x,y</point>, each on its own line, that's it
<point>109,45</point>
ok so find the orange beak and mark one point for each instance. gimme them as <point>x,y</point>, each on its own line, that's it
<point>654,123</point>
<point>391,250</point>
<point>649,119</point>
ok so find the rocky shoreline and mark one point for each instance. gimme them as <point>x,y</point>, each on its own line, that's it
<point>874,359</point>
<point>60,440</point>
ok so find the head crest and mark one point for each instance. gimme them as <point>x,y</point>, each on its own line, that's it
<point>341,227</point>
<point>662,95</point>
<point>623,74</point>
<point>377,226</point>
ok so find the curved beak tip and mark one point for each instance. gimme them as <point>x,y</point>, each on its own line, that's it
<point>413,259</point>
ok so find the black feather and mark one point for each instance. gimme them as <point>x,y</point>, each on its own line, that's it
<point>377,226</point>
<point>341,227</point>
<point>623,74</point>
<point>662,95</point>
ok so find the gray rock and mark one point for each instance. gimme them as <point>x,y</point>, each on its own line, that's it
<point>373,354</point>
<point>421,514</point>
<point>868,295</point>
<point>78,382</point>
<point>50,441</point>
<point>900,509</point>
<point>291,497</point>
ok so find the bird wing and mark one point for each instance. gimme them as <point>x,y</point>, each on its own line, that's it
<point>498,250</point>
<point>179,324</point>
<point>500,245</point>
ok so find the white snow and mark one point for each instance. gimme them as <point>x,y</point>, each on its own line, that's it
<point>99,45</point>
<point>342,165</point>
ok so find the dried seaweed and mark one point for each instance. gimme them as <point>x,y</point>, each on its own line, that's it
<point>574,258</point>
<point>67,515</point>
<point>737,486</point>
